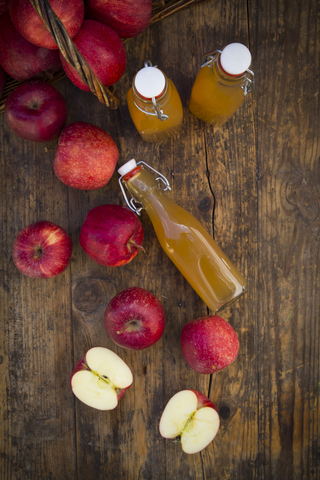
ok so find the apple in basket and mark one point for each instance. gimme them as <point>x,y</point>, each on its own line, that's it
<point>135,319</point>
<point>100,379</point>
<point>191,418</point>
<point>128,18</point>
<point>29,23</point>
<point>21,59</point>
<point>104,51</point>
<point>111,235</point>
<point>36,111</point>
<point>42,250</point>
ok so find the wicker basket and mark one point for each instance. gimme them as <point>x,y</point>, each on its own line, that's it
<point>160,10</point>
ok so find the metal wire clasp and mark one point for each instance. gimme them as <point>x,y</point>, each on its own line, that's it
<point>158,111</point>
<point>131,203</point>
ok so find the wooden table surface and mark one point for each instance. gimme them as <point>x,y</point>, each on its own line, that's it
<point>255,184</point>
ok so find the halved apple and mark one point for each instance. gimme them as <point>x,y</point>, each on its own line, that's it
<point>192,418</point>
<point>100,379</point>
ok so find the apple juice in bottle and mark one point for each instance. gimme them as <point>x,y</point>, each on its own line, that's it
<point>222,84</point>
<point>154,105</point>
<point>190,247</point>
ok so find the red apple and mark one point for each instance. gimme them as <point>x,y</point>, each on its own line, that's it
<point>104,51</point>
<point>135,319</point>
<point>36,111</point>
<point>21,59</point>
<point>4,6</point>
<point>111,235</point>
<point>42,250</point>
<point>3,77</point>
<point>100,379</point>
<point>86,156</point>
<point>209,344</point>
<point>128,18</point>
<point>192,418</point>
<point>27,21</point>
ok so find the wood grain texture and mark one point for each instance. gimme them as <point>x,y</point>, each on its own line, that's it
<point>254,184</point>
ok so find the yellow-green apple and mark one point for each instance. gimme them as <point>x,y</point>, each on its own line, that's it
<point>135,319</point>
<point>2,80</point>
<point>86,156</point>
<point>100,379</point>
<point>128,18</point>
<point>191,418</point>
<point>104,51</point>
<point>21,59</point>
<point>36,111</point>
<point>209,344</point>
<point>111,235</point>
<point>27,21</point>
<point>4,6</point>
<point>42,250</point>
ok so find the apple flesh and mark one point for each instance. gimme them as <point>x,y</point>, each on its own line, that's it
<point>86,156</point>
<point>128,18</point>
<point>192,418</point>
<point>42,250</point>
<point>21,59</point>
<point>111,235</point>
<point>36,111</point>
<point>104,51</point>
<point>30,25</point>
<point>100,379</point>
<point>135,319</point>
<point>209,344</point>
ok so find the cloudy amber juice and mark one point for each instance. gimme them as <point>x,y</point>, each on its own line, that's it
<point>151,128</point>
<point>215,95</point>
<point>194,252</point>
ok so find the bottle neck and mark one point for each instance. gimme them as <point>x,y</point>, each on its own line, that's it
<point>141,184</point>
<point>146,104</point>
<point>223,77</point>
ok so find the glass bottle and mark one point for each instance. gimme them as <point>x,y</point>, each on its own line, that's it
<point>222,84</point>
<point>190,247</point>
<point>154,105</point>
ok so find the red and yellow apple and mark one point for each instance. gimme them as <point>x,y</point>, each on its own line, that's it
<point>191,418</point>
<point>104,51</point>
<point>135,319</point>
<point>30,25</point>
<point>42,250</point>
<point>21,59</point>
<point>209,344</point>
<point>86,156</point>
<point>128,18</point>
<point>111,235</point>
<point>100,379</point>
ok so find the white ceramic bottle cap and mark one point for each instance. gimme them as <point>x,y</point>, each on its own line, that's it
<point>235,59</point>
<point>150,82</point>
<point>127,167</point>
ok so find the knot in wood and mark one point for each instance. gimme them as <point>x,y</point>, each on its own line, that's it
<point>307,202</point>
<point>204,204</point>
<point>89,294</point>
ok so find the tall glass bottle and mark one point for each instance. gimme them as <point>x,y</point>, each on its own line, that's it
<point>222,84</point>
<point>154,105</point>
<point>190,247</point>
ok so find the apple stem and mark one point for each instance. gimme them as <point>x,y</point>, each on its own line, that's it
<point>134,244</point>
<point>37,253</point>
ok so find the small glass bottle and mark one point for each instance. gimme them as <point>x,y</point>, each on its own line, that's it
<point>154,105</point>
<point>222,84</point>
<point>190,247</point>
